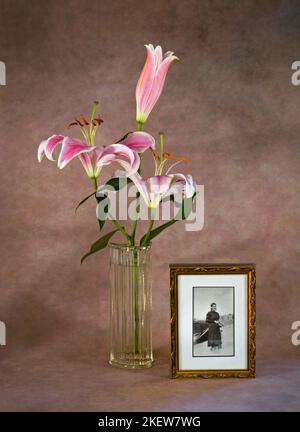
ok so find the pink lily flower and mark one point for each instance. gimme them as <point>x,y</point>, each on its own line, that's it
<point>94,158</point>
<point>154,189</point>
<point>139,141</point>
<point>151,81</point>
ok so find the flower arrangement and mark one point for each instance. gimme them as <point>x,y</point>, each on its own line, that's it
<point>127,152</point>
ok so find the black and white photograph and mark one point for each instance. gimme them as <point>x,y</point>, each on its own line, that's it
<point>213,322</point>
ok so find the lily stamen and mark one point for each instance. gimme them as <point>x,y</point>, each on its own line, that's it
<point>99,120</point>
<point>96,122</point>
<point>83,118</point>
<point>155,156</point>
<point>76,122</point>
<point>177,158</point>
<point>88,128</point>
<point>79,122</point>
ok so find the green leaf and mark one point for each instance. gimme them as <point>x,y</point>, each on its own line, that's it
<point>168,198</point>
<point>84,200</point>
<point>117,183</point>
<point>158,230</point>
<point>114,184</point>
<point>103,207</point>
<point>183,213</point>
<point>101,243</point>
<point>185,208</point>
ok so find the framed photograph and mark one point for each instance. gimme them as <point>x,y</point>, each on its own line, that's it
<point>212,320</point>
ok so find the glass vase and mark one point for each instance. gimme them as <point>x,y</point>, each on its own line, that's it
<point>130,306</point>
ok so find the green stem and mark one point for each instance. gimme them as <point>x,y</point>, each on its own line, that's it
<point>136,218</point>
<point>136,302</point>
<point>95,186</point>
<point>150,226</point>
<point>137,208</point>
<point>136,287</point>
<point>120,228</point>
<point>94,181</point>
<point>136,268</point>
<point>115,222</point>
<point>137,212</point>
<point>151,223</point>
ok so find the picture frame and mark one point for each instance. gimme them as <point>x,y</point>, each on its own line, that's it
<point>213,320</point>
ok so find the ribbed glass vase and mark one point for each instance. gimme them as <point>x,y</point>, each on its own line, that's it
<point>130,306</point>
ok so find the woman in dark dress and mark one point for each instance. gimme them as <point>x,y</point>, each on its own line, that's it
<point>214,332</point>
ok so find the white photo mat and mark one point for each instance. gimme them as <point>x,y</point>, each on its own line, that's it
<point>186,284</point>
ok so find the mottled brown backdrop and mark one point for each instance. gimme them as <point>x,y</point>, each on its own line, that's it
<point>230,106</point>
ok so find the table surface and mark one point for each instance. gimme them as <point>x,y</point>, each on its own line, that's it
<point>59,380</point>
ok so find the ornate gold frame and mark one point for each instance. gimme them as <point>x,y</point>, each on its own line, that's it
<point>188,269</point>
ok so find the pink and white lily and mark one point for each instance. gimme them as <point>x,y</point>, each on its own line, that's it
<point>94,158</point>
<point>151,81</point>
<point>155,188</point>
<point>139,141</point>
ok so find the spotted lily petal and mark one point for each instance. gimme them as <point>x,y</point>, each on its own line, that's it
<point>139,141</point>
<point>151,81</point>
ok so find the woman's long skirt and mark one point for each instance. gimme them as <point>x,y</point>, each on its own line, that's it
<point>214,336</point>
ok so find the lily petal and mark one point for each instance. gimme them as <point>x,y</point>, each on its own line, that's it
<point>139,141</point>
<point>158,56</point>
<point>159,82</point>
<point>88,160</point>
<point>155,188</point>
<point>130,169</point>
<point>158,187</point>
<point>145,82</point>
<point>159,184</point>
<point>41,150</point>
<point>114,152</point>
<point>151,81</point>
<point>141,186</point>
<point>182,183</point>
<point>47,147</point>
<point>70,149</point>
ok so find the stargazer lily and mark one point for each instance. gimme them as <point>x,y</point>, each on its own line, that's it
<point>93,158</point>
<point>154,189</point>
<point>151,81</point>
